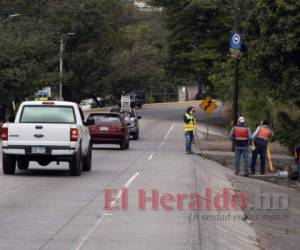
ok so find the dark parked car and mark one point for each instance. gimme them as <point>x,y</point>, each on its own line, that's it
<point>136,100</point>
<point>132,119</point>
<point>108,128</point>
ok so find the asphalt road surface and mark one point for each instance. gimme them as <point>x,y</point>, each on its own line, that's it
<point>45,208</point>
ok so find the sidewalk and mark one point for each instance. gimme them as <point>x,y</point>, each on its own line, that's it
<point>217,147</point>
<point>274,228</point>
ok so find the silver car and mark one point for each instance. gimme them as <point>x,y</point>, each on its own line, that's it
<point>132,119</point>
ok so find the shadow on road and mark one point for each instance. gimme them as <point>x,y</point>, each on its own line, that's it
<point>115,149</point>
<point>43,172</point>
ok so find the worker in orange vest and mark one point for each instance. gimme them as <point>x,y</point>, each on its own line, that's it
<point>241,135</point>
<point>261,139</point>
<point>297,159</point>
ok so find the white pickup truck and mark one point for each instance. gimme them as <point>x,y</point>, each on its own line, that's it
<point>45,132</point>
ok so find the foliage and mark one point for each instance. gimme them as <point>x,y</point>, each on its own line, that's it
<point>109,47</point>
<point>30,44</point>
<point>273,57</point>
<point>198,38</point>
<point>139,65</point>
<point>117,48</point>
<point>270,66</point>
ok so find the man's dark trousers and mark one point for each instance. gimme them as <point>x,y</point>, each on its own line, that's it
<point>189,135</point>
<point>261,151</point>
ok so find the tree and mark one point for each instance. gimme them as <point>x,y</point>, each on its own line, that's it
<point>23,57</point>
<point>30,44</point>
<point>274,48</point>
<point>139,64</point>
<point>273,57</point>
<point>98,28</point>
<point>198,37</point>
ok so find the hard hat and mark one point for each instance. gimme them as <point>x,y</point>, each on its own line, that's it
<point>241,119</point>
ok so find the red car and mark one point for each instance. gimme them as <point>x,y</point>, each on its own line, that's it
<point>108,128</point>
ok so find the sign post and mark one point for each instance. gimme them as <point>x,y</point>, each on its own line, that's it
<point>208,106</point>
<point>235,44</point>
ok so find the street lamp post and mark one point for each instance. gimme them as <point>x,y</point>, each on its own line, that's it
<point>61,51</point>
<point>61,65</point>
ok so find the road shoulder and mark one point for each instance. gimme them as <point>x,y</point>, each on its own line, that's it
<point>227,225</point>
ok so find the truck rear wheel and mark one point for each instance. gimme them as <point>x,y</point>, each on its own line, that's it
<point>23,164</point>
<point>75,165</point>
<point>87,160</point>
<point>8,164</point>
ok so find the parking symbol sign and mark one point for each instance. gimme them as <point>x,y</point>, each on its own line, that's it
<point>235,41</point>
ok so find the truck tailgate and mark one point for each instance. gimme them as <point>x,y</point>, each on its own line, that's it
<point>39,134</point>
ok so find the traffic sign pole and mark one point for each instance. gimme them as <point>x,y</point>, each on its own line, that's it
<point>235,109</point>
<point>207,125</point>
<point>208,106</point>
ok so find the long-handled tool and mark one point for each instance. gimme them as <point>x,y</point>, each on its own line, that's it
<point>269,158</point>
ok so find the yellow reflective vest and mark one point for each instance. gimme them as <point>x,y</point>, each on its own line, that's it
<point>190,126</point>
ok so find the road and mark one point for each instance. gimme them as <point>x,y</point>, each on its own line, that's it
<point>45,208</point>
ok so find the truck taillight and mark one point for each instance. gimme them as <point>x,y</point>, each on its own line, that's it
<point>73,134</point>
<point>4,134</point>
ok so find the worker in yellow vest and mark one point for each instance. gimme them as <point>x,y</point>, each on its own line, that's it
<point>189,127</point>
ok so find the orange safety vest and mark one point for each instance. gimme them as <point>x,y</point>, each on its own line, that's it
<point>264,133</point>
<point>240,133</point>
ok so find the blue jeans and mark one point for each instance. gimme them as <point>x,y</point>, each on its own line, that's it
<point>259,150</point>
<point>241,151</point>
<point>188,140</point>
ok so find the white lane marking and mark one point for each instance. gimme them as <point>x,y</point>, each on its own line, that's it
<point>163,142</point>
<point>90,232</point>
<point>128,183</point>
<point>169,131</point>
<point>117,198</point>
<point>151,156</point>
<point>98,222</point>
<point>166,136</point>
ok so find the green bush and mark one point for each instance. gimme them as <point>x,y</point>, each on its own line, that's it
<point>288,131</point>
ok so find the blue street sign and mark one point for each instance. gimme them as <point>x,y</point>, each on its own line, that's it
<point>235,40</point>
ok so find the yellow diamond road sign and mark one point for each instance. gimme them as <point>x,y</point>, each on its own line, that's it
<point>208,105</point>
